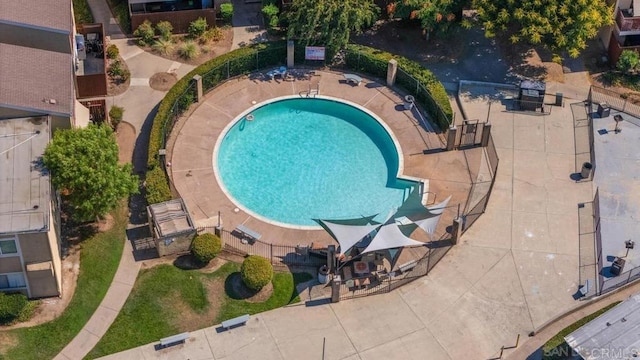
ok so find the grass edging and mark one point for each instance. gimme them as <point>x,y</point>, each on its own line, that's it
<point>99,259</point>
<point>556,348</point>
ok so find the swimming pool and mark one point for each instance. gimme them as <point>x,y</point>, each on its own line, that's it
<point>294,160</point>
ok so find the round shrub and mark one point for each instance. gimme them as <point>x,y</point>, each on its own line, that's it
<point>198,27</point>
<point>205,247</point>
<point>11,307</point>
<point>256,272</point>
<point>112,52</point>
<point>226,10</point>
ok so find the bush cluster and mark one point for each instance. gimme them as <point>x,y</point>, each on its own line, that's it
<point>165,30</point>
<point>115,114</point>
<point>112,51</point>
<point>435,100</point>
<point>197,28</point>
<point>205,247</point>
<point>256,272</point>
<point>15,308</point>
<point>270,13</point>
<point>145,33</point>
<point>226,11</point>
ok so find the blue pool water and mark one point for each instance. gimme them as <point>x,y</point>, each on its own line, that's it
<point>305,159</point>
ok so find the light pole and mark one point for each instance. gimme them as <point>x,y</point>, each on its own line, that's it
<point>618,119</point>
<point>629,245</point>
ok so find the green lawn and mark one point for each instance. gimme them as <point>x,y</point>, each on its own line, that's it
<point>99,259</point>
<point>556,348</point>
<point>150,312</point>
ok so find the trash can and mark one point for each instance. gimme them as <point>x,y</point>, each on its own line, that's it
<point>603,110</point>
<point>409,100</point>
<point>323,274</point>
<point>559,99</point>
<point>586,170</point>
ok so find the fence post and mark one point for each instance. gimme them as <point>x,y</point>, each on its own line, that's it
<point>257,60</point>
<point>428,260</point>
<point>486,131</point>
<point>392,69</point>
<point>451,137</point>
<point>198,81</point>
<point>228,71</point>
<point>271,252</point>
<point>335,288</point>
<point>290,54</point>
<point>456,230</point>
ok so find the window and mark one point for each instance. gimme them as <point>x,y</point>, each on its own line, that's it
<point>10,281</point>
<point>8,246</point>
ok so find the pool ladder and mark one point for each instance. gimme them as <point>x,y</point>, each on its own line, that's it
<point>312,92</point>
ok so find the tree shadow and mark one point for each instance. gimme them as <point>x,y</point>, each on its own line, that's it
<point>188,262</point>
<point>235,288</point>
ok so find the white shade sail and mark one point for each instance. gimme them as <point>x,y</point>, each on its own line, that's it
<point>428,221</point>
<point>389,236</point>
<point>348,235</point>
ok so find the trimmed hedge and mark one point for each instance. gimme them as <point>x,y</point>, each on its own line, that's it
<point>256,272</point>
<point>259,56</point>
<point>205,247</point>
<point>374,62</point>
<point>241,61</point>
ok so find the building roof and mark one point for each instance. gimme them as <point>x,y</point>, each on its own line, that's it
<point>36,80</point>
<point>171,218</point>
<point>25,188</point>
<point>50,14</point>
<point>612,335</point>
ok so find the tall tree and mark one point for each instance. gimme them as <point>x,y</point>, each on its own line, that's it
<point>329,22</point>
<point>84,166</point>
<point>561,25</point>
<point>434,15</point>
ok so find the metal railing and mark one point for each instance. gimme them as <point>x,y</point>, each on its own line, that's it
<point>279,255</point>
<point>480,191</point>
<point>378,68</point>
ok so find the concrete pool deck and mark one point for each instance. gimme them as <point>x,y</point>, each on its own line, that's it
<point>515,270</point>
<point>193,140</point>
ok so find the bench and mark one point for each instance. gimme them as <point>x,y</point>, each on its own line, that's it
<point>584,289</point>
<point>353,79</point>
<point>240,320</point>
<point>246,232</point>
<point>174,340</point>
<point>407,266</point>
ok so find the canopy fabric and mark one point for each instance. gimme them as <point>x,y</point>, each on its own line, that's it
<point>389,236</point>
<point>348,235</point>
<point>429,221</point>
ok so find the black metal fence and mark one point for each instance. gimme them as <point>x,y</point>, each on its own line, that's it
<point>480,191</point>
<point>360,61</point>
<point>614,100</point>
<point>279,255</point>
<point>393,280</point>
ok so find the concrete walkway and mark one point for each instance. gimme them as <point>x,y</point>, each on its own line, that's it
<point>139,102</point>
<point>247,24</point>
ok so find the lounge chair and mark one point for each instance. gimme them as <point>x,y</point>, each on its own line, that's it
<point>282,72</point>
<point>353,79</point>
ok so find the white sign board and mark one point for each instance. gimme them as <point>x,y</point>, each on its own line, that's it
<point>314,53</point>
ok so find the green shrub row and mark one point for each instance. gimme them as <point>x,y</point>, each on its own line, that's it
<point>182,95</point>
<point>81,12</point>
<point>252,58</point>
<point>374,62</point>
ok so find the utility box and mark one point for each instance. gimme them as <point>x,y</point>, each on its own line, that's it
<point>604,110</point>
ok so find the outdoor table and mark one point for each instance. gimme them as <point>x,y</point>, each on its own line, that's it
<point>361,267</point>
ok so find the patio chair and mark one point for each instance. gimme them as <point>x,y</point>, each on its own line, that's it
<point>353,79</point>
